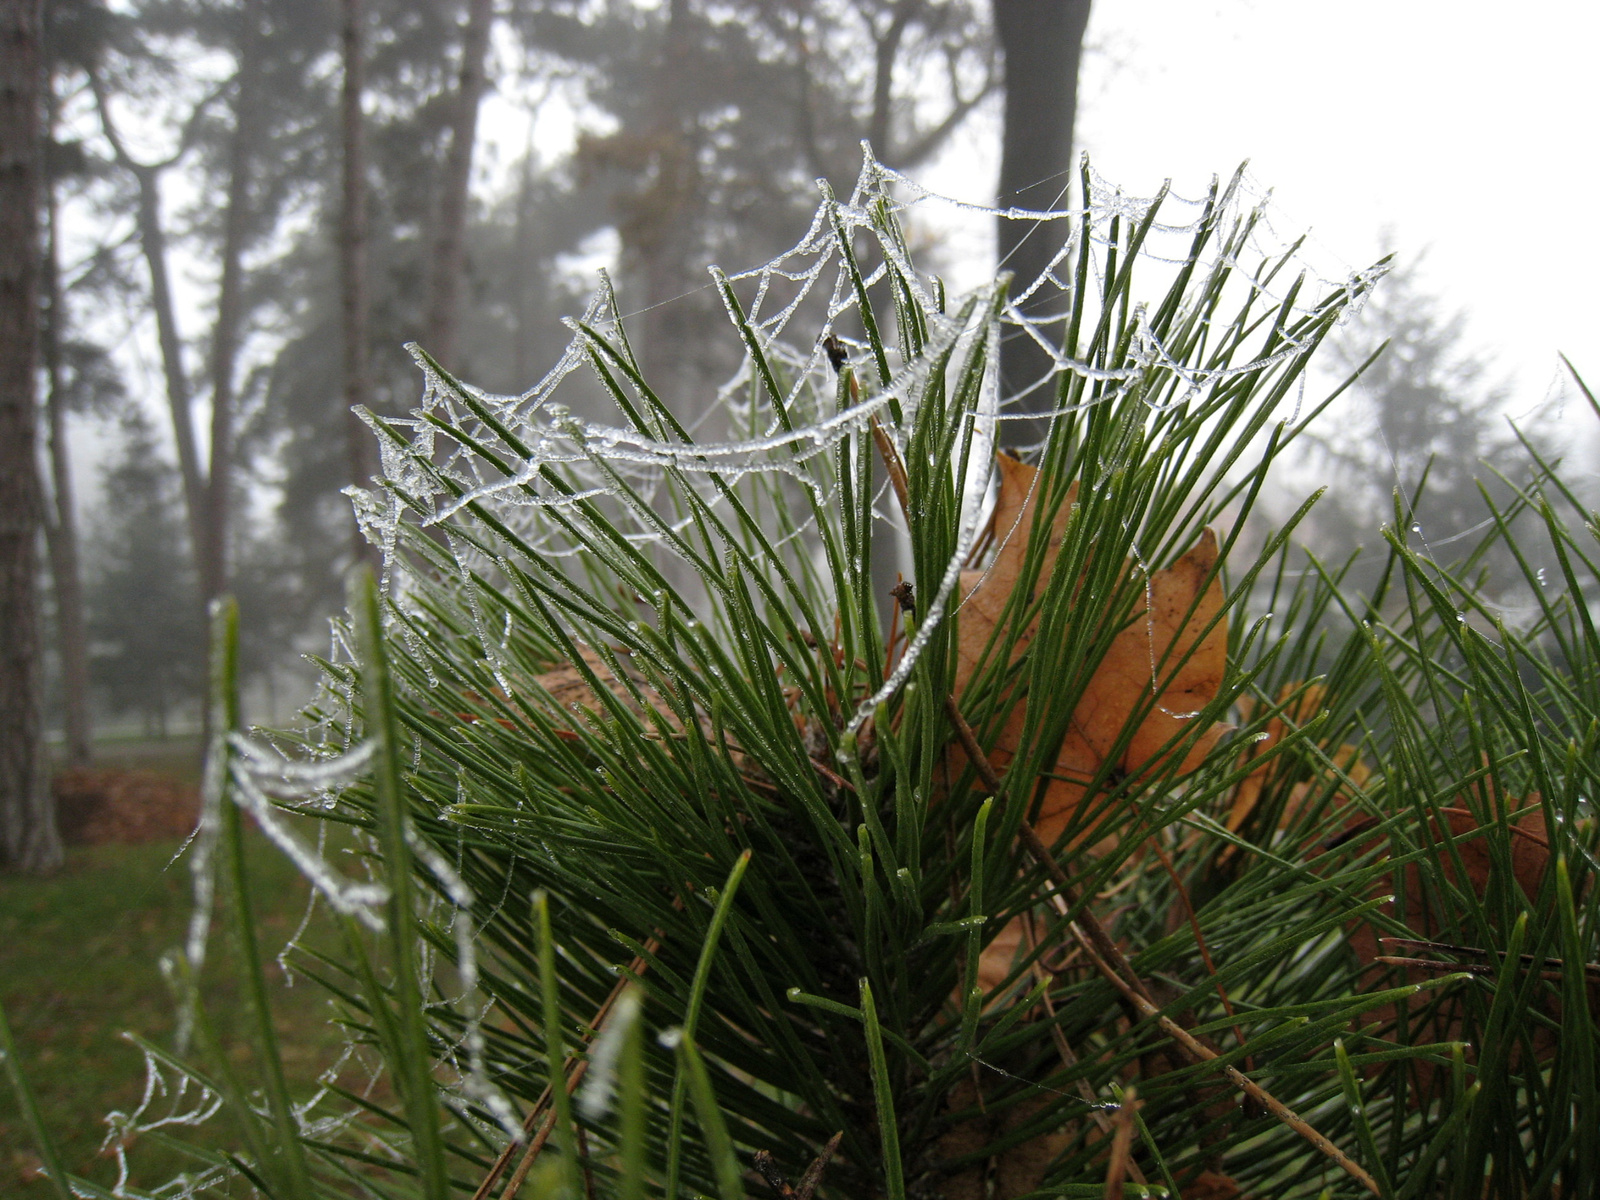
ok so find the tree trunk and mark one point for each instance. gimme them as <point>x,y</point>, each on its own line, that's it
<point>664,227</point>
<point>61,520</point>
<point>449,249</point>
<point>522,326</point>
<point>197,489</point>
<point>886,51</point>
<point>153,244</point>
<point>212,556</point>
<point>359,446</point>
<point>1042,43</point>
<point>28,834</point>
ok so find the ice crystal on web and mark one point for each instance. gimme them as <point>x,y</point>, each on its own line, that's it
<point>481,467</point>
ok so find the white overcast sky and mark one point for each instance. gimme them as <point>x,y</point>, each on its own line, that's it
<point>1466,129</point>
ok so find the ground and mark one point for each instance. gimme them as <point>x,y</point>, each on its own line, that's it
<point>79,963</point>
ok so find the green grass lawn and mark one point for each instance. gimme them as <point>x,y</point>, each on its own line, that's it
<point>79,965</point>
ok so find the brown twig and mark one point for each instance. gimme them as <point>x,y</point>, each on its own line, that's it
<point>583,1159</point>
<point>808,1182</point>
<point>1200,941</point>
<point>891,461</point>
<point>1198,1053</point>
<point>1108,959</point>
<point>525,1164</point>
<point>880,436</point>
<point>1070,1061</point>
<point>991,780</point>
<point>1555,965</point>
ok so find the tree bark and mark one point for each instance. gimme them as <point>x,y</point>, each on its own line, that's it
<point>522,368</point>
<point>449,248</point>
<point>153,245</point>
<point>665,237</point>
<point>1042,44</point>
<point>28,834</point>
<point>353,297</point>
<point>212,556</point>
<point>886,52</point>
<point>61,518</point>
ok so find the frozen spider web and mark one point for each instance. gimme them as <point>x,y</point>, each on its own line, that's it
<point>530,461</point>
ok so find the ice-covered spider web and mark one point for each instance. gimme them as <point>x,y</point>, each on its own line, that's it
<point>530,460</point>
<point>587,435</point>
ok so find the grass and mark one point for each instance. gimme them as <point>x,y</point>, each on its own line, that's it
<point>79,955</point>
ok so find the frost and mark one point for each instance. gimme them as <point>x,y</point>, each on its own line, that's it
<point>171,1097</point>
<point>261,780</point>
<point>535,467</point>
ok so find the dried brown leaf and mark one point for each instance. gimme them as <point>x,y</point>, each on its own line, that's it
<point>1162,668</point>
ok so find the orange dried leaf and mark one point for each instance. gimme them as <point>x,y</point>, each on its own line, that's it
<point>1160,671</point>
<point>1295,710</point>
<point>1162,668</point>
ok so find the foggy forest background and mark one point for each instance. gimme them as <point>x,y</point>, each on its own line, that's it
<point>212,315</point>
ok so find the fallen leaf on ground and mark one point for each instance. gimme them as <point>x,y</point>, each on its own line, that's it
<point>1298,703</point>
<point>566,691</point>
<point>1530,857</point>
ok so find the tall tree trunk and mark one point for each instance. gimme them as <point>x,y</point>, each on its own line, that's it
<point>664,225</point>
<point>28,834</point>
<point>1042,43</point>
<point>354,303</point>
<point>212,556</point>
<point>153,245</point>
<point>197,489</point>
<point>61,519</point>
<point>449,248</point>
<point>886,52</point>
<point>522,369</point>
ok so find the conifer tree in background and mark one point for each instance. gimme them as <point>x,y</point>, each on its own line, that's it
<point>144,625</point>
<point>1425,420</point>
<point>28,836</point>
<point>726,117</point>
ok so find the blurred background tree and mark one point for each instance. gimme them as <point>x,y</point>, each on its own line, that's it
<point>145,642</point>
<point>1425,418</point>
